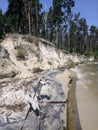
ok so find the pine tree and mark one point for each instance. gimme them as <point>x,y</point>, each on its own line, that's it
<point>60,9</point>
<point>16,12</point>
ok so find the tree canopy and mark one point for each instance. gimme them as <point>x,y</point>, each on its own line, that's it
<point>58,24</point>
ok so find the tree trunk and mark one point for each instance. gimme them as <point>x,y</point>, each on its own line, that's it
<point>36,17</point>
<point>51,35</point>
<point>29,17</point>
<point>27,7</point>
<point>57,35</point>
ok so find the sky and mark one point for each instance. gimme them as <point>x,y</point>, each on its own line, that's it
<point>88,9</point>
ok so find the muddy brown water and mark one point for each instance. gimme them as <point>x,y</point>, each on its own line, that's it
<point>87,96</point>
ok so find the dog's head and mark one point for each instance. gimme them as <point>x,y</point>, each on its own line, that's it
<point>42,81</point>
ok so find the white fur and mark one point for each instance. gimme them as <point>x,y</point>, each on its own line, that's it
<point>31,99</point>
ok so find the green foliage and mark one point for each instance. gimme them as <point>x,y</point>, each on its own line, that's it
<point>61,68</point>
<point>95,54</point>
<point>2,35</point>
<point>49,62</point>
<point>20,52</point>
<point>90,53</point>
<point>30,39</point>
<point>17,14</point>
<point>70,65</point>
<point>1,24</point>
<point>37,70</point>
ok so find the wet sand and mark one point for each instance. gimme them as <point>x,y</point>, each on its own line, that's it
<point>64,78</point>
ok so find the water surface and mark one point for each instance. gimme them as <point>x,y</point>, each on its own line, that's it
<point>87,96</point>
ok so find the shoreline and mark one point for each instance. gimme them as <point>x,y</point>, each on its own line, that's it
<point>73,114</point>
<point>73,122</point>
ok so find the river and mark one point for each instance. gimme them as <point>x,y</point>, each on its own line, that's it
<point>87,96</point>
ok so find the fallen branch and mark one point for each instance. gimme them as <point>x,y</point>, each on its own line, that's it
<point>44,117</point>
<point>54,102</point>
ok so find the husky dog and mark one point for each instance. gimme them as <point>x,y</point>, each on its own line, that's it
<point>17,93</point>
<point>31,98</point>
<point>38,88</point>
<point>33,93</point>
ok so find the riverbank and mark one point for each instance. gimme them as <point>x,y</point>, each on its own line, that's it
<point>68,81</point>
<point>22,66</point>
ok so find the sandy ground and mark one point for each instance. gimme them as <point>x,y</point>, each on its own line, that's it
<point>64,79</point>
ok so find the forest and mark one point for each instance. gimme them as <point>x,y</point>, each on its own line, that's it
<point>67,30</point>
